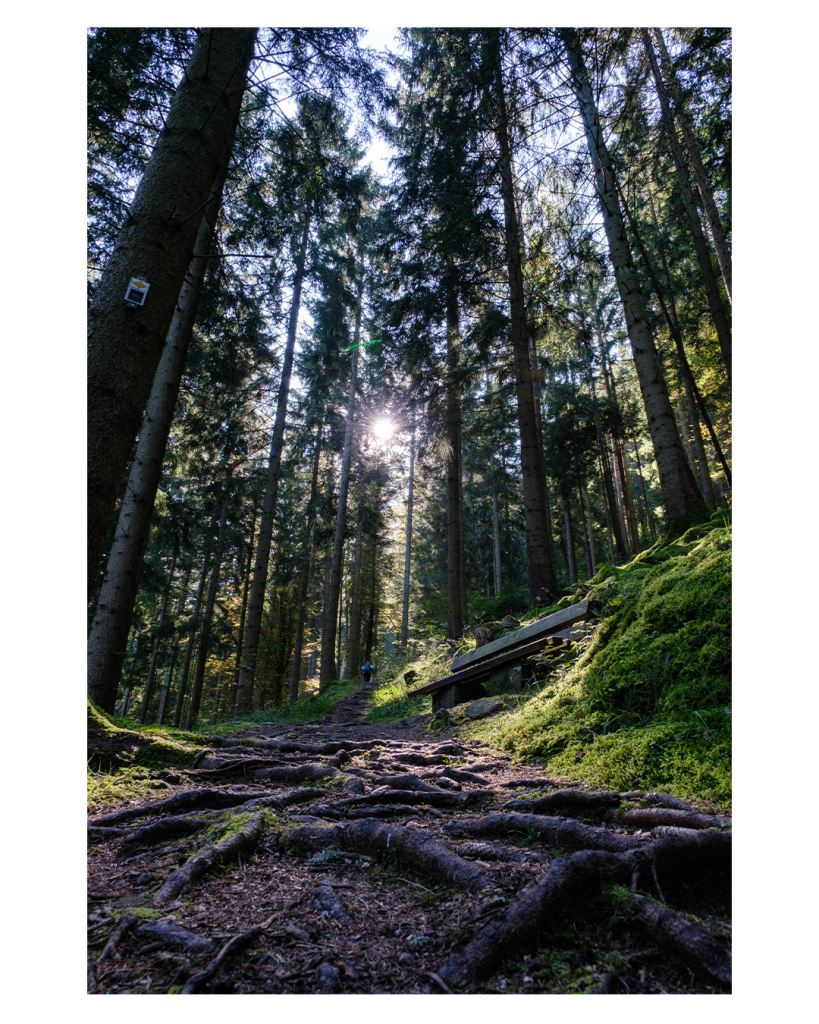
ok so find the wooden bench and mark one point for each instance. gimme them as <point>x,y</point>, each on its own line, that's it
<point>473,669</point>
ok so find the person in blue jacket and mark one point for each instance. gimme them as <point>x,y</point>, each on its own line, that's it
<point>367,670</point>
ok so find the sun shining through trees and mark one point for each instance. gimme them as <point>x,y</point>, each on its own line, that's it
<point>383,429</point>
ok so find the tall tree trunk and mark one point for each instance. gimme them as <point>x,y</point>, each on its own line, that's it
<point>231,702</point>
<point>672,320</point>
<point>327,669</point>
<point>619,488</point>
<point>166,682</point>
<point>404,637</point>
<point>631,512</point>
<point>373,616</point>
<point>693,151</point>
<point>608,486</point>
<point>207,620</point>
<point>681,495</point>
<point>112,614</point>
<point>699,447</point>
<point>244,689</point>
<point>571,563</point>
<point>149,685</point>
<point>155,246</point>
<point>584,498</point>
<point>200,594</point>
<point>354,628</point>
<point>652,529</point>
<point>496,541</point>
<point>709,280</point>
<point>542,580</point>
<point>454,629</point>
<point>304,581</point>
<point>126,700</point>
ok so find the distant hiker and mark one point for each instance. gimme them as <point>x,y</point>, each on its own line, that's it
<point>367,669</point>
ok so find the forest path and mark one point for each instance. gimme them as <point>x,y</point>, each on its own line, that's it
<point>344,856</point>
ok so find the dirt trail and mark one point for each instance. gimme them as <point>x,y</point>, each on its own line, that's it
<point>348,857</point>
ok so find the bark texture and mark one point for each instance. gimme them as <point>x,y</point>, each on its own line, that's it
<point>156,244</point>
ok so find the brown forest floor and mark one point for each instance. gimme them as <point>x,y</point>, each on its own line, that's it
<point>344,857</point>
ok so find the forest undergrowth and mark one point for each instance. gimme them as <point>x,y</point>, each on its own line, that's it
<point>433,855</point>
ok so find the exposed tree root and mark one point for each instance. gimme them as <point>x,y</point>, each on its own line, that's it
<point>432,797</point>
<point>311,773</point>
<point>166,933</point>
<point>375,811</point>
<point>159,831</point>
<point>646,817</point>
<point>208,858</point>
<point>567,799</point>
<point>344,878</point>
<point>565,878</point>
<point>483,851</point>
<point>234,945</point>
<point>666,800</point>
<point>190,800</point>
<point>674,930</point>
<point>561,832</point>
<point>412,847</point>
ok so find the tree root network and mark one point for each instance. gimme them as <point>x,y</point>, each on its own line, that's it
<point>320,860</point>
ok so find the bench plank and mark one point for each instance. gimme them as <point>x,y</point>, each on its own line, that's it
<point>486,668</point>
<point>550,624</point>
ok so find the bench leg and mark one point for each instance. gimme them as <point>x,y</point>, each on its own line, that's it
<point>457,693</point>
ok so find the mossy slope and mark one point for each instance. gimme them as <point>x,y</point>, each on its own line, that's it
<point>647,705</point>
<point>112,745</point>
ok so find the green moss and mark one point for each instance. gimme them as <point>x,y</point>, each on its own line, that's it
<point>143,913</point>
<point>647,704</point>
<point>113,749</point>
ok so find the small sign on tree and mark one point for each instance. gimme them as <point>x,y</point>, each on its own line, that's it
<point>136,291</point>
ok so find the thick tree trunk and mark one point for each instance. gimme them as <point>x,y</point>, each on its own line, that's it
<point>681,495</point>
<point>149,685</point>
<point>109,629</point>
<point>327,669</point>
<point>454,630</point>
<point>542,580</point>
<point>155,245</point>
<point>304,581</point>
<point>693,151</point>
<point>404,636</point>
<point>207,620</point>
<point>709,280</point>
<point>244,689</point>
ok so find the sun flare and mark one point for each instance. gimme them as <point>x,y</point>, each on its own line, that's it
<point>383,429</point>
